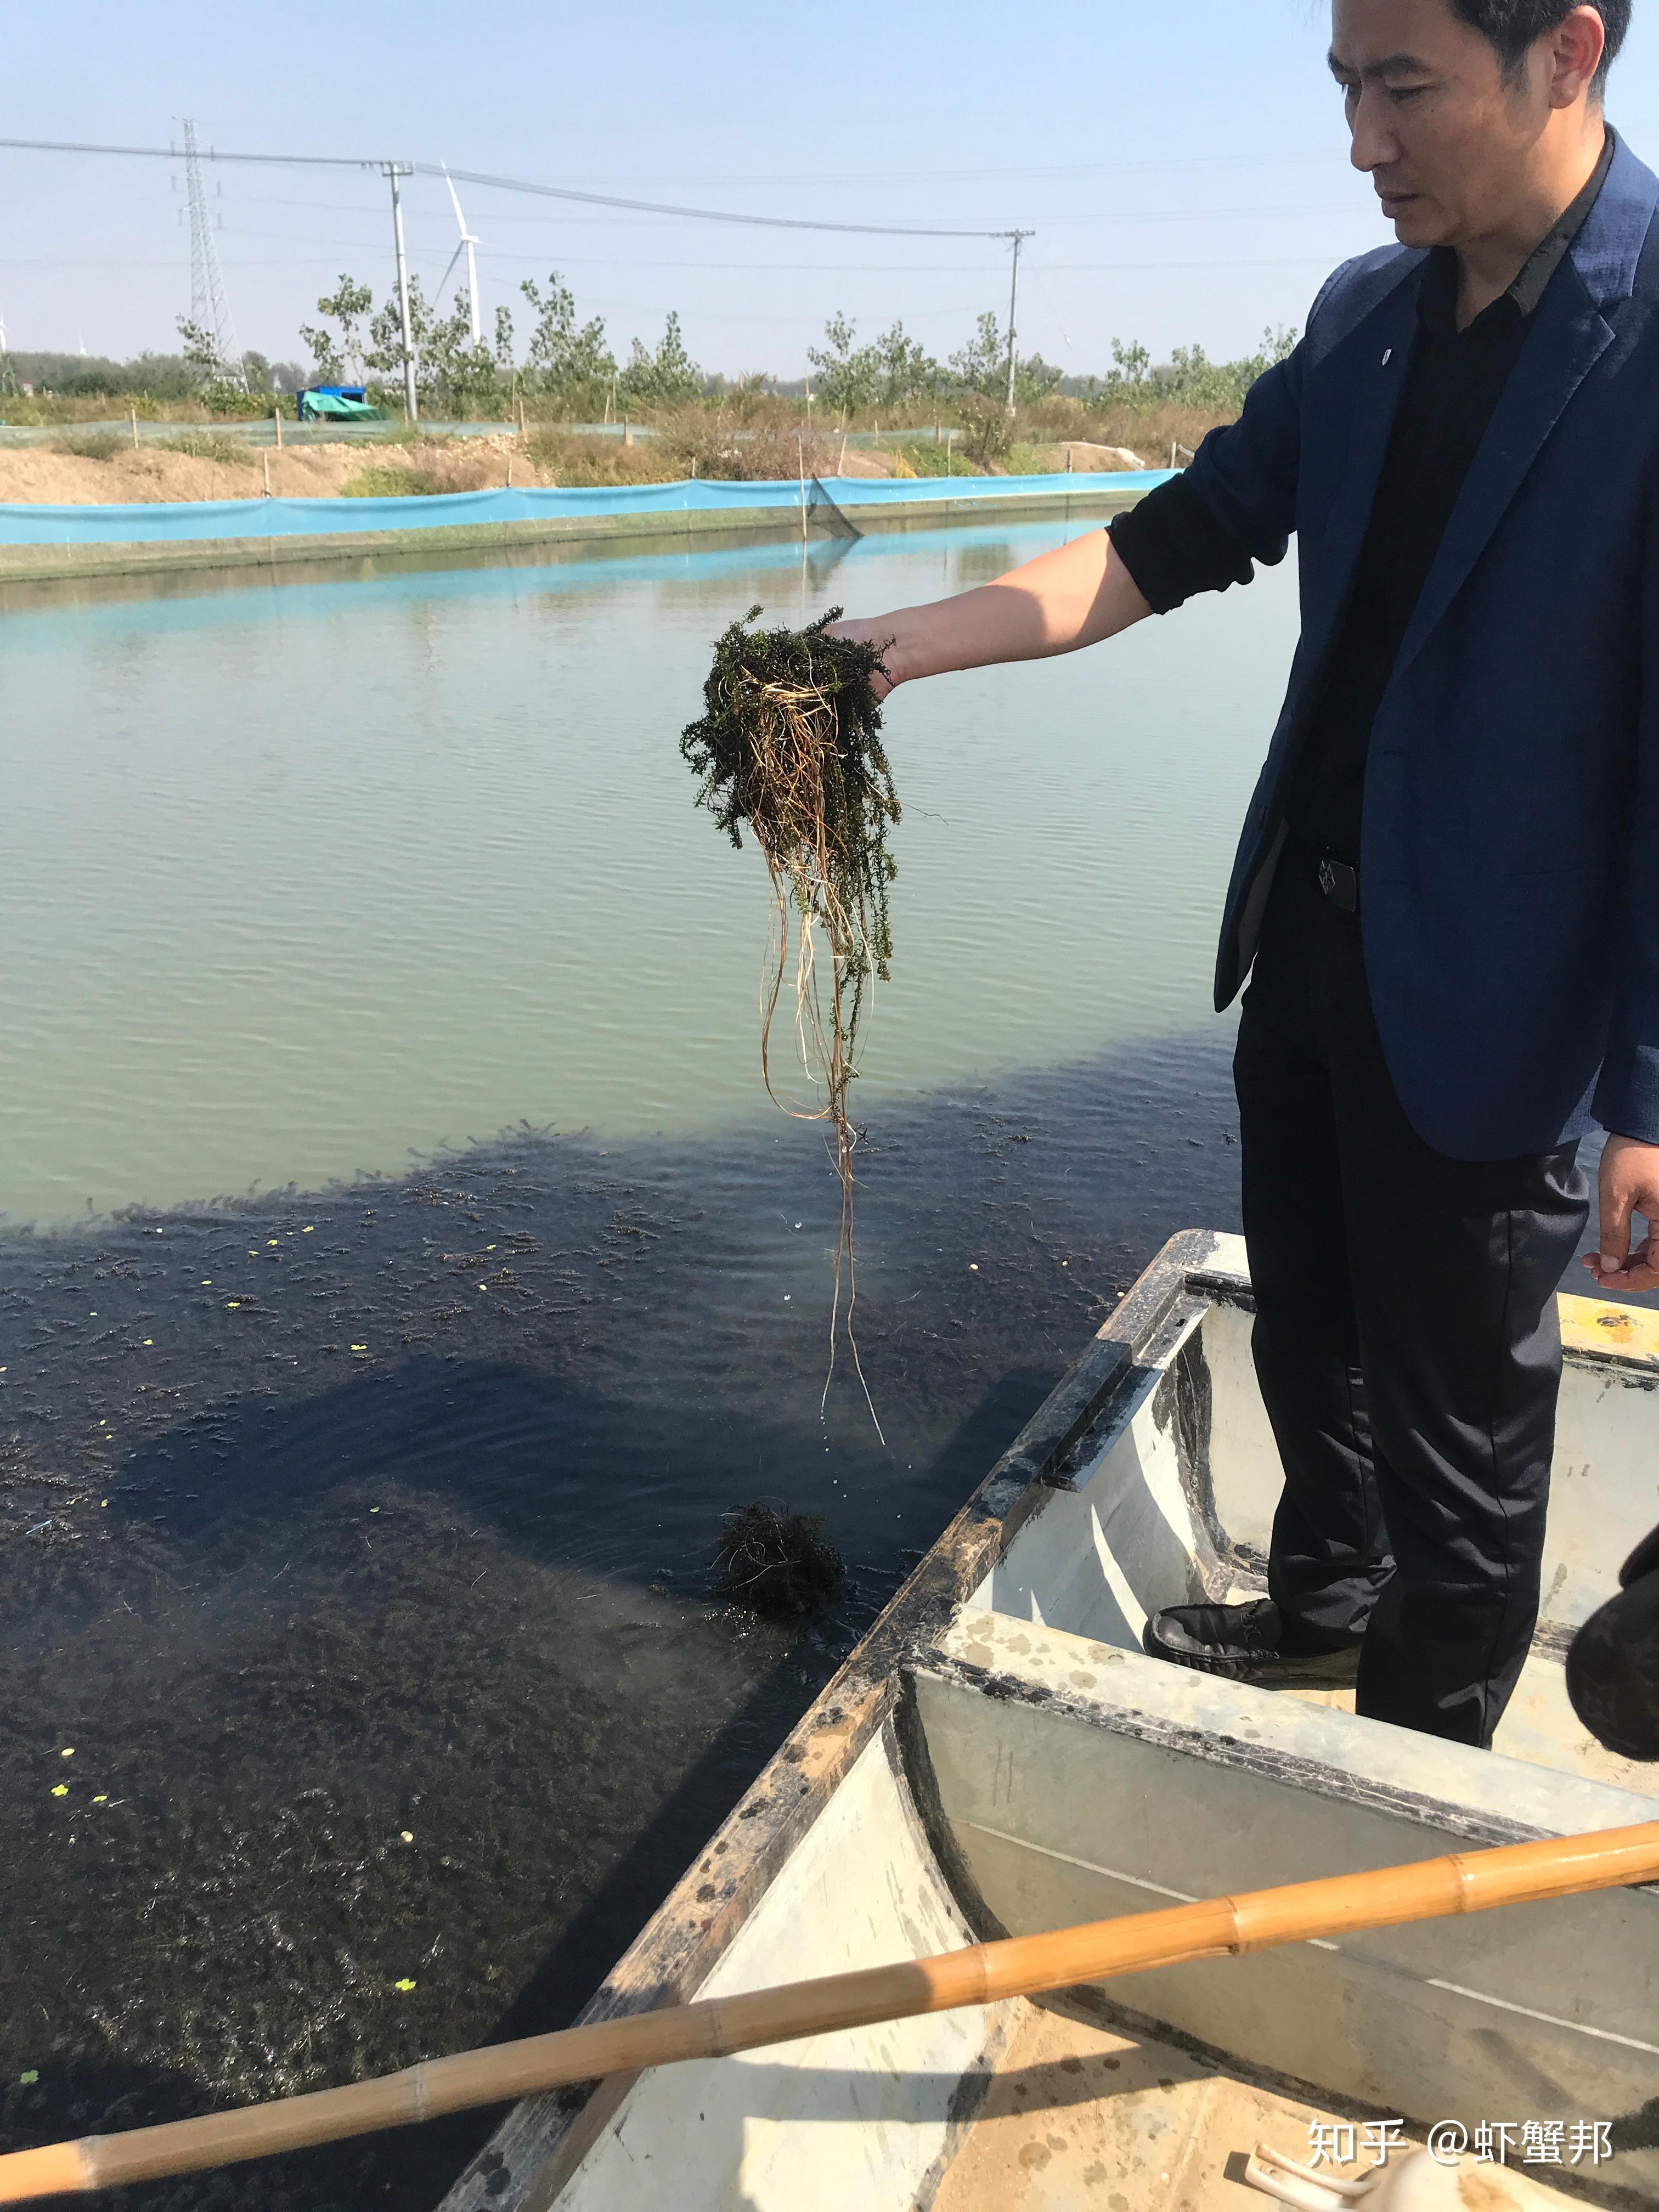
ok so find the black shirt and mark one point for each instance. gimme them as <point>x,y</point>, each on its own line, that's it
<point>1173,546</point>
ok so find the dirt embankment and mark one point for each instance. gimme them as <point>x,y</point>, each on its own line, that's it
<point>112,472</point>
<point>127,474</point>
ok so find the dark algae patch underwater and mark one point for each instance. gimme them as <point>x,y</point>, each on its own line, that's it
<point>775,1561</point>
<point>790,747</point>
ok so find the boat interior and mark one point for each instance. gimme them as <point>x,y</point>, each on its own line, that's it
<point>1000,1757</point>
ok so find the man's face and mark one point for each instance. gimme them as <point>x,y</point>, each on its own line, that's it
<point>1444,136</point>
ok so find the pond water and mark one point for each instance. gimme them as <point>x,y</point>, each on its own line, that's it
<point>405,1271</point>
<point>308,882</point>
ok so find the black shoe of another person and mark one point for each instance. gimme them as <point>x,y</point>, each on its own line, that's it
<point>1613,1667</point>
<point>1247,1643</point>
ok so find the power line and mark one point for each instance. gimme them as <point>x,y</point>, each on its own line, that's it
<point>171,154</point>
<point>1275,158</point>
<point>758,268</point>
<point>1130,217</point>
<point>704,214</point>
<point>506,184</point>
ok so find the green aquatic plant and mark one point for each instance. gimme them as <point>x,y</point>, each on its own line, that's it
<point>789,746</point>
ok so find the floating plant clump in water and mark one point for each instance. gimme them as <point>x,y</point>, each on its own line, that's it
<point>790,745</point>
<point>777,1563</point>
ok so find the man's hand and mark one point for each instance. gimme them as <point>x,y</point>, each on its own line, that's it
<point>1077,595</point>
<point>891,673</point>
<point>1629,1184</point>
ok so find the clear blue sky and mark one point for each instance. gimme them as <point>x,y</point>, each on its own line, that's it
<point>1184,164</point>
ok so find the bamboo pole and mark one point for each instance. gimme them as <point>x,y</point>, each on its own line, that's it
<point>1473,1882</point>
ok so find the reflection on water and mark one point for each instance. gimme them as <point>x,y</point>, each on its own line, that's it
<point>307,881</point>
<point>357,1544</point>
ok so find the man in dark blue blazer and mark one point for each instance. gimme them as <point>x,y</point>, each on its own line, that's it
<point>1441,894</point>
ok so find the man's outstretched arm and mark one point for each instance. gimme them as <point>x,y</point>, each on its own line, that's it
<point>1074,596</point>
<point>1201,531</point>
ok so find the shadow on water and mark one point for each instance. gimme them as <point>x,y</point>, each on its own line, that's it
<point>363,1690</point>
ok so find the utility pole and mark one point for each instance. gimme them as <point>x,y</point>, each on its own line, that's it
<point>394,170</point>
<point>208,309</point>
<point>1018,237</point>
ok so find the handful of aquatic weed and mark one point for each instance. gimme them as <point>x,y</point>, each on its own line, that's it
<point>790,746</point>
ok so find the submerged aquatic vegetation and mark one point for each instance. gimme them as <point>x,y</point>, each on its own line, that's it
<point>776,1562</point>
<point>790,746</point>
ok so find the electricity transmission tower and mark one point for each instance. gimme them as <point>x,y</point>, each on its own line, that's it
<point>208,309</point>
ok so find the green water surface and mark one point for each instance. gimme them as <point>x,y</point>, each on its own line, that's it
<point>310,879</point>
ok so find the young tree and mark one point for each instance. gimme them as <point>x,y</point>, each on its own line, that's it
<point>904,370</point>
<point>212,380</point>
<point>452,373</point>
<point>981,366</point>
<point>1131,366</point>
<point>848,375</point>
<point>201,352</point>
<point>1276,345</point>
<point>385,351</point>
<point>562,358</point>
<point>337,355</point>
<point>664,378</point>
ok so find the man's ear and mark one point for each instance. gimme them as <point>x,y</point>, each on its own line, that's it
<point>1577,45</point>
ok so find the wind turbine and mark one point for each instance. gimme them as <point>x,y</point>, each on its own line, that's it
<point>469,246</point>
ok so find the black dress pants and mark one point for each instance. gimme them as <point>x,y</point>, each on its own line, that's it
<point>1405,1341</point>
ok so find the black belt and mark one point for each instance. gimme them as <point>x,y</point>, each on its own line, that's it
<point>1339,883</point>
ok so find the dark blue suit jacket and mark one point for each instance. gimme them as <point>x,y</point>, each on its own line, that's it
<point>1510,864</point>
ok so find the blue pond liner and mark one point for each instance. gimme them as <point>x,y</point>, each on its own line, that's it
<point>174,521</point>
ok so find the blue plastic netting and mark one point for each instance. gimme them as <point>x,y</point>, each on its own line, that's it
<point>175,521</point>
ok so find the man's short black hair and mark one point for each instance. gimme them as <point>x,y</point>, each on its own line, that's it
<point>1513,25</point>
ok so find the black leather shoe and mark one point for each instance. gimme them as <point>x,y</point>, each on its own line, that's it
<point>1245,1643</point>
<point>1613,1667</point>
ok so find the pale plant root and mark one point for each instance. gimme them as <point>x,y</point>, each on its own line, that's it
<point>789,749</point>
<point>800,723</point>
